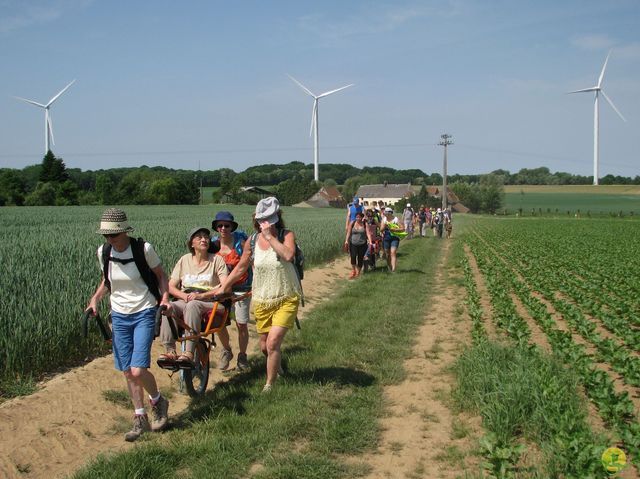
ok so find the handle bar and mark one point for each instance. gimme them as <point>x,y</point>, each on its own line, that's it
<point>85,324</point>
<point>172,323</point>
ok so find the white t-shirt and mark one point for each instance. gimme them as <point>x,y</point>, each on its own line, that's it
<point>129,292</point>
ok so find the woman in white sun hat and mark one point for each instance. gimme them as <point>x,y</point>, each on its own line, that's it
<point>276,289</point>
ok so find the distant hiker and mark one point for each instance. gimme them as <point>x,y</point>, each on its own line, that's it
<point>276,288</point>
<point>448,226</point>
<point>357,241</point>
<point>407,219</point>
<point>133,274</point>
<point>390,242</point>
<point>422,221</point>
<point>352,209</point>
<point>439,221</point>
<point>229,245</point>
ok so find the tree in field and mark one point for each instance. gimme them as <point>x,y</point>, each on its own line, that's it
<point>492,192</point>
<point>53,169</point>
<point>12,188</point>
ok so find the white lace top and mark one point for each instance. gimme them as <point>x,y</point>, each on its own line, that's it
<point>274,280</point>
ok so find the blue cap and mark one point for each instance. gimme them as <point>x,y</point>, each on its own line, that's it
<point>224,216</point>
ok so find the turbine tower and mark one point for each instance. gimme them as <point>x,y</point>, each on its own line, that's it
<point>48,127</point>
<point>314,122</point>
<point>596,117</point>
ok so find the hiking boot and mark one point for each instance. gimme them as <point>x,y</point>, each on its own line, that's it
<point>140,425</point>
<point>160,410</point>
<point>225,358</point>
<point>243,362</point>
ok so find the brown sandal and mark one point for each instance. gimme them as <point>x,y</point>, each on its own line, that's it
<point>167,360</point>
<point>185,361</point>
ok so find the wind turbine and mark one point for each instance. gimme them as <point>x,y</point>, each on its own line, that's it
<point>596,117</point>
<point>48,127</point>
<point>314,122</point>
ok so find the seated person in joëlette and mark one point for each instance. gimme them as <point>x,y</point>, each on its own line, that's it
<point>194,278</point>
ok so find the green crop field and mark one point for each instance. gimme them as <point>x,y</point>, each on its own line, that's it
<point>576,283</point>
<point>50,269</point>
<point>558,200</point>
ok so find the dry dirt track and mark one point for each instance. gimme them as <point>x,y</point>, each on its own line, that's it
<point>419,436</point>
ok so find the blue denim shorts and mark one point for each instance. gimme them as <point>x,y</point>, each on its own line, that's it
<point>392,242</point>
<point>132,338</point>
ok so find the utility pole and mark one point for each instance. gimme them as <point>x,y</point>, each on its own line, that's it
<point>445,141</point>
<point>200,198</point>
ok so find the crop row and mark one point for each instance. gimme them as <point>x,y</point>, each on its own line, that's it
<point>531,252</point>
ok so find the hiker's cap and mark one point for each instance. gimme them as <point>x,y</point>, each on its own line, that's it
<point>267,210</point>
<point>193,232</point>
<point>113,221</point>
<point>408,205</point>
<point>224,216</point>
<point>388,210</point>
<point>356,200</point>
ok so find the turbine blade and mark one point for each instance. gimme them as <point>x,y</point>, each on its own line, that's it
<point>50,127</point>
<point>327,93</point>
<point>604,67</point>
<point>60,93</point>
<point>302,86</point>
<point>313,116</point>
<point>30,101</point>
<point>595,88</point>
<point>612,105</point>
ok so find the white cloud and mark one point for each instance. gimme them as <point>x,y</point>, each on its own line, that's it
<point>628,51</point>
<point>15,15</point>
<point>376,20</point>
<point>593,42</point>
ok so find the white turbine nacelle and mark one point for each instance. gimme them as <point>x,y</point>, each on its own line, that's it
<point>48,126</point>
<point>314,122</point>
<point>596,117</point>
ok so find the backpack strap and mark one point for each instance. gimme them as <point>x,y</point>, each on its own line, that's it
<point>252,243</point>
<point>149,277</point>
<point>106,257</point>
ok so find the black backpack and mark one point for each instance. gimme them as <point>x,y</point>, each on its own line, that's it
<point>147,274</point>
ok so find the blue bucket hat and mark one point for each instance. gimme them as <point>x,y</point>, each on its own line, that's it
<point>224,216</point>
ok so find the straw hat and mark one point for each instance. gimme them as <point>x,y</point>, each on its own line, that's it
<point>114,221</point>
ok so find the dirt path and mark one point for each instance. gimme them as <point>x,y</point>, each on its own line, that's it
<point>421,436</point>
<point>67,422</point>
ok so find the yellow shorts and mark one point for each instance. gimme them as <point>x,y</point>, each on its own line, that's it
<point>283,314</point>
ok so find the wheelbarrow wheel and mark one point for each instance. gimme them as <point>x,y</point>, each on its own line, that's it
<point>196,379</point>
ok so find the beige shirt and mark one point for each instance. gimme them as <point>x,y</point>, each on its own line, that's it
<point>206,276</point>
<point>129,292</point>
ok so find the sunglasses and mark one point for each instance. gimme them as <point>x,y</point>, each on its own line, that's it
<point>223,225</point>
<point>112,235</point>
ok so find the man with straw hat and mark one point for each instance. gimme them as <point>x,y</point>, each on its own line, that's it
<point>135,292</point>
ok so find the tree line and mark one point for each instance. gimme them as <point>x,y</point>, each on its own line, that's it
<point>52,183</point>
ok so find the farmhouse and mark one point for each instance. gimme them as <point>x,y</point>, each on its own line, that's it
<point>386,195</point>
<point>327,196</point>
<point>383,195</point>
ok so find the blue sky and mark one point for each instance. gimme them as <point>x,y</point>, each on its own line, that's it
<point>204,82</point>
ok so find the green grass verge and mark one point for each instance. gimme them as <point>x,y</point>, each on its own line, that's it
<point>525,396</point>
<point>327,405</point>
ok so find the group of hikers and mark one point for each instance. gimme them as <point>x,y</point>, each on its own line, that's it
<point>375,230</point>
<point>220,263</point>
